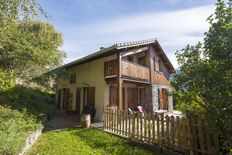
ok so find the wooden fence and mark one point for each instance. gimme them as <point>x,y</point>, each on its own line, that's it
<point>175,133</point>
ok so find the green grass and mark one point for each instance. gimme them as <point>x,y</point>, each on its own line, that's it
<point>84,142</point>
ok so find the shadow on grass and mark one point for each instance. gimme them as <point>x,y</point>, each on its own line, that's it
<point>107,143</point>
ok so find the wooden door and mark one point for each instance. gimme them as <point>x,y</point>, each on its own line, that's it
<point>163,99</point>
<point>113,96</point>
<point>69,101</point>
<point>132,98</point>
<point>59,99</point>
<point>78,101</point>
<point>143,98</point>
<point>91,97</point>
<point>64,98</point>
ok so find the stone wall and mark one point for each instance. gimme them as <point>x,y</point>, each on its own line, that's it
<point>31,139</point>
<point>155,97</point>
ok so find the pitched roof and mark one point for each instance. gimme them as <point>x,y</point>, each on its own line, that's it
<point>116,47</point>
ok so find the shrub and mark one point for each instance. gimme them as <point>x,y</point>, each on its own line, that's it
<point>14,128</point>
<point>22,110</point>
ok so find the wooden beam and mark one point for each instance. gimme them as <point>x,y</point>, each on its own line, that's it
<point>151,64</point>
<point>134,80</point>
<point>119,82</point>
<point>134,51</point>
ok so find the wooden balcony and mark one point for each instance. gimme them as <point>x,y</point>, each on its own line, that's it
<point>160,78</point>
<point>128,70</point>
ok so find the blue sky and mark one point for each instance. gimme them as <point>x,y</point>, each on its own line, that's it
<point>87,25</point>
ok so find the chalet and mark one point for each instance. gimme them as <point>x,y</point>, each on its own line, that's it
<point>124,75</point>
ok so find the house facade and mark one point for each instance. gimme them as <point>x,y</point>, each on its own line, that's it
<point>124,75</point>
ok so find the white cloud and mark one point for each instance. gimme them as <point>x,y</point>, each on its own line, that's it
<point>173,29</point>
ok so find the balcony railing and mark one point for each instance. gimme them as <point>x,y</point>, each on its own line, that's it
<point>135,71</point>
<point>160,78</point>
<point>130,69</point>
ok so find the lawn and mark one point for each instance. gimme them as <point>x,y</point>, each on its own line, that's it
<point>83,142</point>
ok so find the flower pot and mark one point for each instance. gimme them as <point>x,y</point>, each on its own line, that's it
<point>85,120</point>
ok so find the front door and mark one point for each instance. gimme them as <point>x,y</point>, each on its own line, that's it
<point>132,98</point>
<point>89,97</point>
<point>65,98</point>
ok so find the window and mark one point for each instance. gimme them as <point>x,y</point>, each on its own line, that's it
<point>73,78</point>
<point>141,60</point>
<point>154,64</point>
<point>130,58</point>
<point>160,66</point>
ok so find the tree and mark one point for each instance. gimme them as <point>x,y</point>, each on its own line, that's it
<point>204,85</point>
<point>28,48</point>
<point>12,11</point>
<point>31,50</point>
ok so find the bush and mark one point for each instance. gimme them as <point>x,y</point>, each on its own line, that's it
<point>37,102</point>
<point>6,81</point>
<point>14,128</point>
<point>22,110</point>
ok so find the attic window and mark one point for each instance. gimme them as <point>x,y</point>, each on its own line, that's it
<point>130,58</point>
<point>141,60</point>
<point>73,78</point>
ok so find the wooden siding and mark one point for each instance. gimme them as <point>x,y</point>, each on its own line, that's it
<point>130,69</point>
<point>160,78</point>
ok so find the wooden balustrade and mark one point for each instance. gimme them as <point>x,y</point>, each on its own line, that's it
<point>133,70</point>
<point>130,69</point>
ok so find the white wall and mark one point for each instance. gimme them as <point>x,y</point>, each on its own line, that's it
<point>92,74</point>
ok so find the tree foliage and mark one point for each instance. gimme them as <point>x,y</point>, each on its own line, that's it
<point>204,85</point>
<point>31,49</point>
<point>28,47</point>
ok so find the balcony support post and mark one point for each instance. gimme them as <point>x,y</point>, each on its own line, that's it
<point>119,82</point>
<point>151,64</point>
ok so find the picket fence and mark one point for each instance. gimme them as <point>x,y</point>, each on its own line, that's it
<point>187,135</point>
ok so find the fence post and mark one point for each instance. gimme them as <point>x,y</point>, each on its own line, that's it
<point>158,128</point>
<point>141,127</point>
<point>167,137</point>
<point>137,120</point>
<point>178,130</point>
<point>149,128</point>
<point>120,122</point>
<point>153,128</point>
<point>126,130</point>
<point>173,131</point>
<point>145,127</point>
<point>162,128</point>
<point>133,126</point>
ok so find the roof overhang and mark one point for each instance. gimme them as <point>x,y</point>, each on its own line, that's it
<point>120,48</point>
